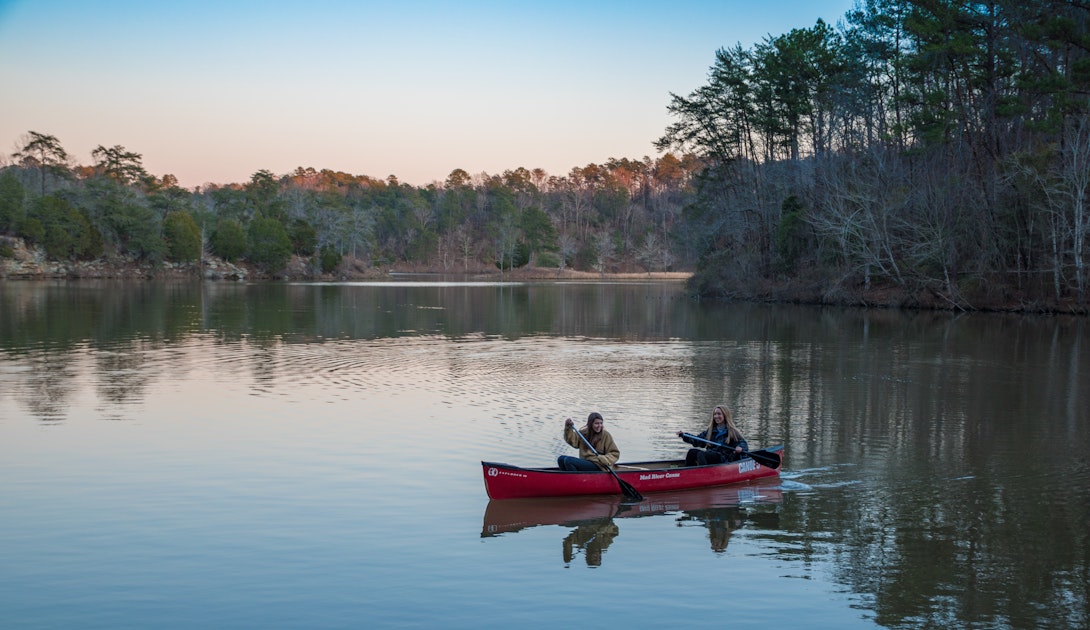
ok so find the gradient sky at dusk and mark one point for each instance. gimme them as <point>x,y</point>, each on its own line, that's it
<point>213,91</point>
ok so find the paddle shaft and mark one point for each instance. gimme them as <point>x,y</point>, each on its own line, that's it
<point>626,487</point>
<point>762,457</point>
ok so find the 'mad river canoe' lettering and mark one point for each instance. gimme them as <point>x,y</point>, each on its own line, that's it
<point>659,476</point>
<point>747,465</point>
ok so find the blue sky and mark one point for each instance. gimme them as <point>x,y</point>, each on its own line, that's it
<point>212,92</point>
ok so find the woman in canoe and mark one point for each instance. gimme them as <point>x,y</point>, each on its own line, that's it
<point>599,438</point>
<point>729,443</point>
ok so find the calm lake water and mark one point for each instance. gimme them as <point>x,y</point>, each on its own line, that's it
<point>308,456</point>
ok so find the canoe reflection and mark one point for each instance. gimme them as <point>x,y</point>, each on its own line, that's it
<point>722,510</point>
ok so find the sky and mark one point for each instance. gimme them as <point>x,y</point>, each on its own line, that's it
<point>214,91</point>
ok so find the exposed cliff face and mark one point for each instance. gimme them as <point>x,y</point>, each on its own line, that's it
<point>21,261</point>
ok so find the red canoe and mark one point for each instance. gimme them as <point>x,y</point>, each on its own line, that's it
<point>504,481</point>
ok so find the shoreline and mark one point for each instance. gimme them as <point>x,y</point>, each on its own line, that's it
<point>29,264</point>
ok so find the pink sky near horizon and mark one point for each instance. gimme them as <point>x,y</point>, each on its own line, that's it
<point>212,92</point>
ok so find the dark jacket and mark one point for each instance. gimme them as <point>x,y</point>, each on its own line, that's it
<point>720,437</point>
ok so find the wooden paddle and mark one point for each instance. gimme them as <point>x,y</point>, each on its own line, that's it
<point>626,487</point>
<point>764,458</point>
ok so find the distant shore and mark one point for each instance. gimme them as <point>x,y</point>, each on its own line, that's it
<point>30,263</point>
<point>19,262</point>
<point>546,273</point>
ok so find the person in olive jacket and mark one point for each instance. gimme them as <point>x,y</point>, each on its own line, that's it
<point>607,451</point>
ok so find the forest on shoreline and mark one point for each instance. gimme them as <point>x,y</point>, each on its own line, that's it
<point>921,153</point>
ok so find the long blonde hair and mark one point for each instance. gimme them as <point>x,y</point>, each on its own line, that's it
<point>734,435</point>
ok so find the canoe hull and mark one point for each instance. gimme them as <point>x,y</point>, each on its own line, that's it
<point>504,481</point>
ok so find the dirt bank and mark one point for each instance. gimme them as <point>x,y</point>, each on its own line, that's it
<point>20,262</point>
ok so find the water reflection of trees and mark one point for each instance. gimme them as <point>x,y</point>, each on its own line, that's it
<point>971,430</point>
<point>60,316</point>
<point>117,323</point>
<point>47,386</point>
<point>53,326</point>
<point>970,433</point>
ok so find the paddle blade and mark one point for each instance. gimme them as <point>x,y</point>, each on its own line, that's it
<point>629,491</point>
<point>766,458</point>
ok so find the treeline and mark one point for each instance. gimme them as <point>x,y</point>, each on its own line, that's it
<point>610,217</point>
<point>934,149</point>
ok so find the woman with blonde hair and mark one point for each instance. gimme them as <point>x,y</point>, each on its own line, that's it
<point>729,443</point>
